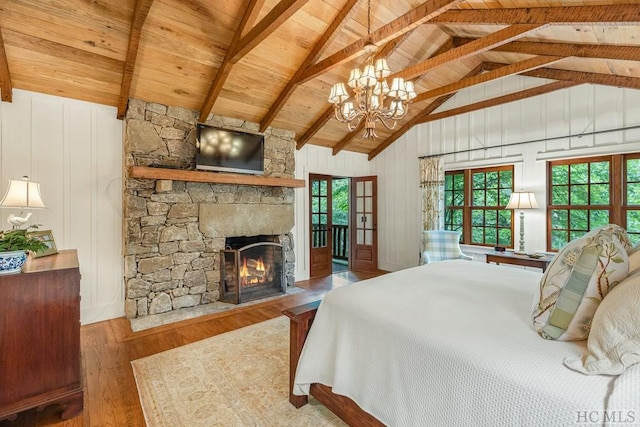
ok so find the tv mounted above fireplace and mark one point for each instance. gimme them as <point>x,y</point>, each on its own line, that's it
<point>227,150</point>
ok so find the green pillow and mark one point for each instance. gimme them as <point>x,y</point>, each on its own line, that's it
<point>575,283</point>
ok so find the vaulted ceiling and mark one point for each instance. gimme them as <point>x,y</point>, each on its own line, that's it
<point>274,61</point>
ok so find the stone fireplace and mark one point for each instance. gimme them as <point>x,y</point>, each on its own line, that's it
<point>251,268</point>
<point>174,231</point>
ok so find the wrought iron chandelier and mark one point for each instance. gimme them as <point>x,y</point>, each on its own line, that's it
<point>373,100</point>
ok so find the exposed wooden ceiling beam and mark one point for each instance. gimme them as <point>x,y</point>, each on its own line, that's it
<point>225,67</point>
<point>625,53</point>
<point>328,113</point>
<point>396,28</point>
<point>253,16</point>
<point>493,74</point>
<point>475,47</point>
<point>517,96</point>
<point>6,90</point>
<point>263,29</point>
<point>139,16</point>
<point>590,15</point>
<point>418,117</point>
<point>582,77</point>
<point>577,76</point>
<point>345,14</point>
<point>388,48</point>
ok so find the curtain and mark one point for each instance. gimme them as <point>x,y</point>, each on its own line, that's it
<point>432,183</point>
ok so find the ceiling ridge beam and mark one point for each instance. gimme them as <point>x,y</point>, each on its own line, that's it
<point>475,47</point>
<point>616,52</point>
<point>516,96</point>
<point>346,13</point>
<point>396,28</point>
<point>493,74</point>
<point>388,48</point>
<point>139,17</point>
<point>267,25</point>
<point>225,67</point>
<point>423,113</point>
<point>588,15</point>
<point>6,89</point>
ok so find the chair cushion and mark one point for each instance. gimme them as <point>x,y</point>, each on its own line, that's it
<point>441,245</point>
<point>614,341</point>
<point>575,283</point>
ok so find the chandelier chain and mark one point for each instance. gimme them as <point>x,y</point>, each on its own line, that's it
<point>368,17</point>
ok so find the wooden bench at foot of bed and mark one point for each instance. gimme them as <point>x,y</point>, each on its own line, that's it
<point>300,320</point>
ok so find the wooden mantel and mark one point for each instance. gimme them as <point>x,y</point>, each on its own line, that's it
<point>146,172</point>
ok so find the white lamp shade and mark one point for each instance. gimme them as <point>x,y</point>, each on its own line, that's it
<point>397,88</point>
<point>382,69</point>
<point>354,78</point>
<point>411,91</point>
<point>368,78</point>
<point>522,200</point>
<point>22,194</point>
<point>338,94</point>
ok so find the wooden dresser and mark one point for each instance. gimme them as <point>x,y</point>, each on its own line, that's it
<point>40,336</point>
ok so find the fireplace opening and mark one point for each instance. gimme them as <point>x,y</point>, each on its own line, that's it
<point>251,268</point>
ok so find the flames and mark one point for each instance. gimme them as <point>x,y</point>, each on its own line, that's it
<point>253,271</point>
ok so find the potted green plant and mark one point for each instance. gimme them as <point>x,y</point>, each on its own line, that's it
<point>14,245</point>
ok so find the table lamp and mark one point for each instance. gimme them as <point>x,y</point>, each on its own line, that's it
<point>522,200</point>
<point>23,194</point>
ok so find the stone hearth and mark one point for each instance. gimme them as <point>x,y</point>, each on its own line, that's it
<point>174,230</point>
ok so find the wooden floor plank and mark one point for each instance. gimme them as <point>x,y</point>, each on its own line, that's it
<point>111,396</point>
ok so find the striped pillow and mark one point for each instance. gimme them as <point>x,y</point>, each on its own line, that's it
<point>571,289</point>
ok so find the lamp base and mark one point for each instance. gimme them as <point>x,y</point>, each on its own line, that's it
<point>517,252</point>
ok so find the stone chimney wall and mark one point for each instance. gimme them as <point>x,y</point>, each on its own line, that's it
<point>174,230</point>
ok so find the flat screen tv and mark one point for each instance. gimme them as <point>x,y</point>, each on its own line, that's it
<point>227,150</point>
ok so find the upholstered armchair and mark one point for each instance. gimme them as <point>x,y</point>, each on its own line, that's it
<point>440,245</point>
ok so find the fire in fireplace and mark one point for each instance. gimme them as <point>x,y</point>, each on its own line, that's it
<point>251,268</point>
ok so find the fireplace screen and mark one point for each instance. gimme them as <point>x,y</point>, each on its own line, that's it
<point>252,272</point>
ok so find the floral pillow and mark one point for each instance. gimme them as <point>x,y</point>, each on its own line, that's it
<point>575,283</point>
<point>615,231</point>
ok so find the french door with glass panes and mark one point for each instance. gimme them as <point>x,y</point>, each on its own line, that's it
<point>363,254</point>
<point>321,225</point>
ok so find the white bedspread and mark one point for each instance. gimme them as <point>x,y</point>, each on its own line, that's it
<point>449,344</point>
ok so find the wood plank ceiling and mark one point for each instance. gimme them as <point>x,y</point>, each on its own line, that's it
<point>274,61</point>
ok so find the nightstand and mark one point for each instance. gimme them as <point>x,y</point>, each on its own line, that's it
<point>522,260</point>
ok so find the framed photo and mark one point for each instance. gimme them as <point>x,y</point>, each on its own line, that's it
<point>45,237</point>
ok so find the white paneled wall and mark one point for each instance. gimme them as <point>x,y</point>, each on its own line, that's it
<point>313,159</point>
<point>74,149</point>
<point>578,110</point>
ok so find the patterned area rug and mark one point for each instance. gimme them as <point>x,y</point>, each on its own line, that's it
<point>239,378</point>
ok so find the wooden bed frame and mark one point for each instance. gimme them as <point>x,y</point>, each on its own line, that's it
<point>300,320</point>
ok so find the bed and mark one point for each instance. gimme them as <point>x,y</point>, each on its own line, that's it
<point>447,344</point>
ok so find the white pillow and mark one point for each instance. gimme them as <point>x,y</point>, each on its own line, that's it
<point>614,340</point>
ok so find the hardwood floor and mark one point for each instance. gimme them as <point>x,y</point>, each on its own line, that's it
<point>111,396</point>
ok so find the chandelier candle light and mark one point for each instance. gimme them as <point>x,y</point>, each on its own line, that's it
<point>522,200</point>
<point>373,100</point>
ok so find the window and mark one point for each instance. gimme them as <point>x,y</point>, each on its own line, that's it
<point>587,193</point>
<point>475,201</point>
